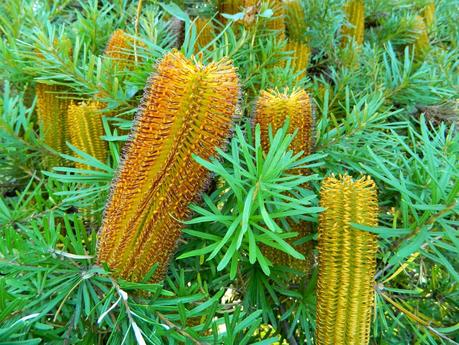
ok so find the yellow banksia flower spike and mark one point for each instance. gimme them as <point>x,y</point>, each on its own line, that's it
<point>187,109</point>
<point>300,53</point>
<point>205,31</point>
<point>429,14</point>
<point>86,130</point>
<point>277,21</point>
<point>355,15</point>
<point>295,19</point>
<point>347,261</point>
<point>274,108</point>
<point>422,43</point>
<point>52,105</point>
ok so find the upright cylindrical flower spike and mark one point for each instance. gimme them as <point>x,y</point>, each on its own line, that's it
<point>187,109</point>
<point>52,105</point>
<point>347,261</point>
<point>277,21</point>
<point>120,48</point>
<point>295,19</point>
<point>429,14</point>
<point>300,53</point>
<point>86,130</point>
<point>205,31</point>
<point>274,108</point>
<point>422,43</point>
<point>355,15</point>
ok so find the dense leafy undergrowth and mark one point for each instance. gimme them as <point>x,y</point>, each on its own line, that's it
<point>386,108</point>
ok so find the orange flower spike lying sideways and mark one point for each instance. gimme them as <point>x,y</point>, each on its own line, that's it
<point>86,130</point>
<point>347,261</point>
<point>274,108</point>
<point>187,109</point>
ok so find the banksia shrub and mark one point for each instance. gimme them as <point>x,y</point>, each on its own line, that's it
<point>187,109</point>
<point>295,19</point>
<point>274,108</point>
<point>355,15</point>
<point>347,261</point>
<point>52,104</point>
<point>300,53</point>
<point>85,130</point>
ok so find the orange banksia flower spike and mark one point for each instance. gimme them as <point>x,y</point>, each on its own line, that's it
<point>347,261</point>
<point>52,105</point>
<point>120,48</point>
<point>187,109</point>
<point>205,31</point>
<point>355,15</point>
<point>274,108</point>
<point>85,130</point>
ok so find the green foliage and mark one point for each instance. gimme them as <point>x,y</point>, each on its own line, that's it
<point>256,191</point>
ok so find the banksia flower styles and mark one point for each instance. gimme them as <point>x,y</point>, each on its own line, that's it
<point>52,107</point>
<point>85,129</point>
<point>347,261</point>
<point>355,14</point>
<point>187,109</point>
<point>273,108</point>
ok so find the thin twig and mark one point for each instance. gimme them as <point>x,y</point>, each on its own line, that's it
<point>286,327</point>
<point>177,328</point>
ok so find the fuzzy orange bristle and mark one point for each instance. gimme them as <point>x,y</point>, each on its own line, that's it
<point>85,130</point>
<point>187,109</point>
